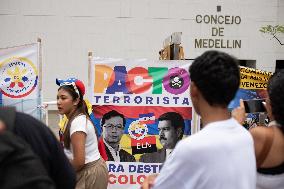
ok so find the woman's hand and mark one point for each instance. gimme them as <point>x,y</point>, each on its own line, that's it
<point>239,113</point>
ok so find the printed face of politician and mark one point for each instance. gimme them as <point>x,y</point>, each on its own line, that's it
<point>167,133</point>
<point>113,129</point>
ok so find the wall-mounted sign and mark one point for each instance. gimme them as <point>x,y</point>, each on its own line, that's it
<point>217,38</point>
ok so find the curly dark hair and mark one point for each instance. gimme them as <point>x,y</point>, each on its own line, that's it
<point>276,95</point>
<point>217,76</point>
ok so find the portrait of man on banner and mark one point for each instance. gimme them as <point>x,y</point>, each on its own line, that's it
<point>171,129</point>
<point>113,124</point>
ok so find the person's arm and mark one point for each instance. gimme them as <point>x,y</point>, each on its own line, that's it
<point>258,135</point>
<point>78,140</point>
<point>239,113</point>
<point>149,182</point>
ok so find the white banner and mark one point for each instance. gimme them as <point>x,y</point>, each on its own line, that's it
<point>139,83</point>
<point>19,77</point>
<point>141,92</point>
<point>130,175</point>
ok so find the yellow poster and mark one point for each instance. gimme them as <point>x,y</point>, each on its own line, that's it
<point>253,78</point>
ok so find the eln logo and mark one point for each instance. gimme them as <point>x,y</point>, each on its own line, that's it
<point>137,130</point>
<point>18,77</point>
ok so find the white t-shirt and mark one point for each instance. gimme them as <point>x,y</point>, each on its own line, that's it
<point>81,123</point>
<point>270,181</point>
<point>220,156</point>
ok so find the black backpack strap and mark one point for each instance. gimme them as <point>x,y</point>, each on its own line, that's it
<point>8,115</point>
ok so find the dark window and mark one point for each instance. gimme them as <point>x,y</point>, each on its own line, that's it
<point>279,65</point>
<point>248,63</point>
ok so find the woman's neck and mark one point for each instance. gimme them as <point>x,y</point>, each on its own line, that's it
<point>70,114</point>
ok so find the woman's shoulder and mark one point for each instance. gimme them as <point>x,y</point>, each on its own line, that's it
<point>80,116</point>
<point>79,119</point>
<point>260,132</point>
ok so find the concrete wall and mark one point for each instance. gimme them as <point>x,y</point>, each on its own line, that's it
<point>132,29</point>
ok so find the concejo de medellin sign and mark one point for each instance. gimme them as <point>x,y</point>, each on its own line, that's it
<point>217,38</point>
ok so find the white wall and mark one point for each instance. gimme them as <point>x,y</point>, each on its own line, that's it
<point>131,29</point>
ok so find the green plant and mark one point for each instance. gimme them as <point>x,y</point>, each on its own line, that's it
<point>273,30</point>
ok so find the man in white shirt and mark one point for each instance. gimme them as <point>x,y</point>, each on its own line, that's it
<point>221,155</point>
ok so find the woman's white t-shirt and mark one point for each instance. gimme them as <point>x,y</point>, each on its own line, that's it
<point>81,123</point>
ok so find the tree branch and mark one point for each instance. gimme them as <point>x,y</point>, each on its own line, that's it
<point>274,36</point>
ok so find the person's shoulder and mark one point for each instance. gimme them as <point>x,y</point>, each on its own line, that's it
<point>79,119</point>
<point>152,157</point>
<point>190,153</point>
<point>260,133</point>
<point>123,152</point>
<point>192,145</point>
<point>194,139</point>
<point>26,125</point>
<point>126,156</point>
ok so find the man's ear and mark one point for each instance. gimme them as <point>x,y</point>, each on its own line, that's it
<point>193,90</point>
<point>179,133</point>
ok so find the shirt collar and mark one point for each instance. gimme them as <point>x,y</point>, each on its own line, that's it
<point>115,154</point>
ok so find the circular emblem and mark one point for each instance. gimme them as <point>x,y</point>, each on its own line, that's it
<point>18,77</point>
<point>176,82</point>
<point>137,130</point>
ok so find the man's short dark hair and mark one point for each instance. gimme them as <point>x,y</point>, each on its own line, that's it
<point>276,91</point>
<point>111,114</point>
<point>176,120</point>
<point>217,76</point>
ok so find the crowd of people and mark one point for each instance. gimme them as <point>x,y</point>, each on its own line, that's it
<point>222,155</point>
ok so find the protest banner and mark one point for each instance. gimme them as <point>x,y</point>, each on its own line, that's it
<point>136,95</point>
<point>130,175</point>
<point>253,85</point>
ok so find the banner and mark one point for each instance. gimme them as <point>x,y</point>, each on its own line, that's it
<point>143,108</point>
<point>253,78</point>
<point>130,175</point>
<point>253,85</point>
<point>19,78</point>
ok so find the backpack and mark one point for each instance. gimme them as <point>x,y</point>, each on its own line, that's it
<point>19,166</point>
